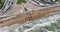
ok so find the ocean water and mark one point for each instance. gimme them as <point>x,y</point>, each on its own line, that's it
<point>46,24</point>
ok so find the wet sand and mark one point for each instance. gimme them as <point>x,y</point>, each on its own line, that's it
<point>30,16</point>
